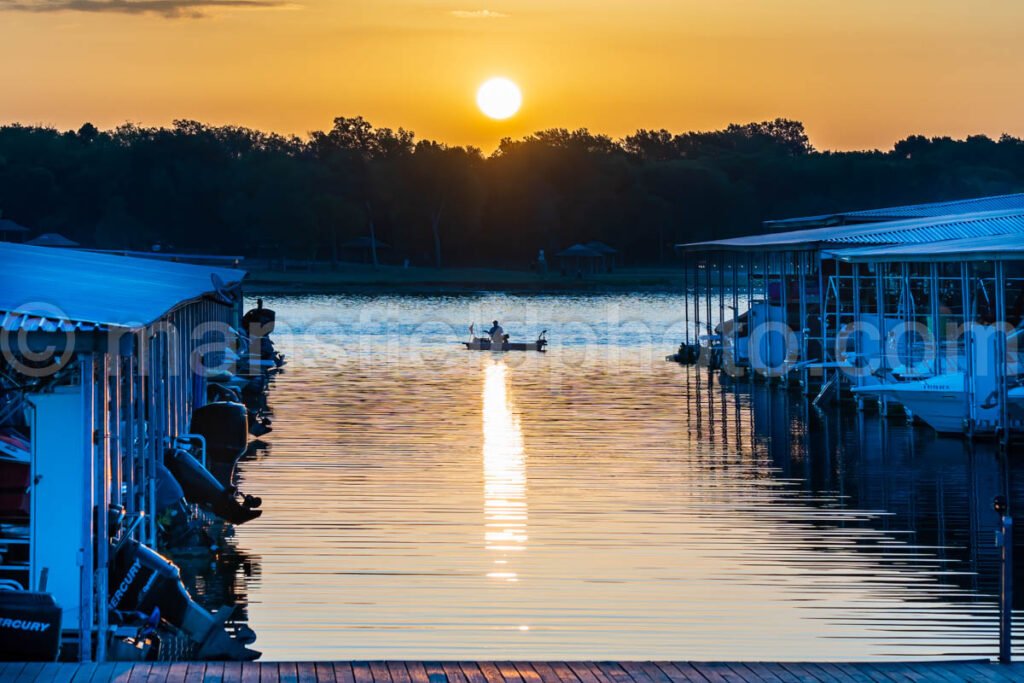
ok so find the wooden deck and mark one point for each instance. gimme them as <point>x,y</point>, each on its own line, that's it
<point>512,672</point>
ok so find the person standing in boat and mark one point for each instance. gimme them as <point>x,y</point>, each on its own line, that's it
<point>496,333</point>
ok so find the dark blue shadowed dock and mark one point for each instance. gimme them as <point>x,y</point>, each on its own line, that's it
<point>512,672</point>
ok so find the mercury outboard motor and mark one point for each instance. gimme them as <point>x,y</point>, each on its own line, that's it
<point>141,580</point>
<point>29,627</point>
<point>202,488</point>
<point>223,425</point>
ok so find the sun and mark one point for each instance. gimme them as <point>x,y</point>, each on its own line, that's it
<point>499,98</point>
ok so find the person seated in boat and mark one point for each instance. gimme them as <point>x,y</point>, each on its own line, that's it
<point>496,333</point>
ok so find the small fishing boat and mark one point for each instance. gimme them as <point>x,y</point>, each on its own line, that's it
<point>485,344</point>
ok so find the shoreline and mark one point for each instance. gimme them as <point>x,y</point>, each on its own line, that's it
<point>363,279</point>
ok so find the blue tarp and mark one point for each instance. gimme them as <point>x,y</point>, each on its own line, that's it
<point>101,289</point>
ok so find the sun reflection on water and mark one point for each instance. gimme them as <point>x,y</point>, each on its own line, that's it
<point>505,508</point>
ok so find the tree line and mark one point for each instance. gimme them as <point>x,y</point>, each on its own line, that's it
<point>234,190</point>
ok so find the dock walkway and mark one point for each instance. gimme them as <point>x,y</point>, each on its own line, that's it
<point>512,672</point>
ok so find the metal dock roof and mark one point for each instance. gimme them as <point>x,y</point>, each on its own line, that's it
<point>992,248</point>
<point>909,231</point>
<point>1002,202</point>
<point>57,289</point>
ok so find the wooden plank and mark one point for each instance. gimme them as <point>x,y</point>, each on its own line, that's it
<point>527,673</point>
<point>195,672</point>
<point>65,674</point>
<point>940,673</point>
<point>176,673</point>
<point>636,673</point>
<point>417,672</point>
<point>612,672</point>
<point>490,672</point>
<point>270,672</point>
<point>848,672</point>
<point>47,673</point>
<point>122,671</point>
<point>380,673</point>
<point>232,672</point>
<point>325,672</point>
<point>83,672</point>
<point>307,672</point>
<point>717,672</point>
<point>818,671</point>
<point>758,671</point>
<point>250,672</point>
<point>454,672</point>
<point>102,672</point>
<point>361,672</point>
<point>654,672</point>
<point>800,672</point>
<point>472,672</point>
<point>681,672</point>
<point>435,672</point>
<point>548,674</point>
<point>214,672</point>
<point>140,672</point>
<point>584,672</point>
<point>29,673</point>
<point>879,675</point>
<point>343,672</point>
<point>287,672</point>
<point>989,673</point>
<point>398,672</point>
<point>509,672</point>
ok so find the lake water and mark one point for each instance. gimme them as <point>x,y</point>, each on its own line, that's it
<point>424,501</point>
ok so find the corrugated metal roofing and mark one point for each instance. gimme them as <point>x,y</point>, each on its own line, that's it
<point>1005,202</point>
<point>911,231</point>
<point>48,289</point>
<point>994,247</point>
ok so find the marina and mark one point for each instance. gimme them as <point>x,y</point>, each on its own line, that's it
<point>765,500</point>
<point>914,308</point>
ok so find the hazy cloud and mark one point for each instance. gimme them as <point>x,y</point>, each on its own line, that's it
<point>168,8</point>
<point>478,14</point>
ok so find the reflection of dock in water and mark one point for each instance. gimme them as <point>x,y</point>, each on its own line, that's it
<point>876,498</point>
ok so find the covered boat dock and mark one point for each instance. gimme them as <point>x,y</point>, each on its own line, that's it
<point>793,306</point>
<point>100,374</point>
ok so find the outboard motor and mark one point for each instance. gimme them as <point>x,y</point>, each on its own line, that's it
<point>259,321</point>
<point>202,488</point>
<point>223,425</point>
<point>141,580</point>
<point>29,627</point>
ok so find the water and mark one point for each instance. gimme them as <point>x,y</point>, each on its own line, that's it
<point>423,501</point>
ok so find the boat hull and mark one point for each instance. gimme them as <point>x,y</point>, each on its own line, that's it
<point>940,402</point>
<point>481,344</point>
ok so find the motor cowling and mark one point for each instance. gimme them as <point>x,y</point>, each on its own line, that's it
<point>30,624</point>
<point>223,424</point>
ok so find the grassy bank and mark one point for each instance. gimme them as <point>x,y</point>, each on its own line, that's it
<point>365,278</point>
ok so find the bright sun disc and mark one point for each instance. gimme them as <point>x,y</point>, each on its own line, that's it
<point>499,98</point>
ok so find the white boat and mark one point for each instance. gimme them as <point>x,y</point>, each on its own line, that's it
<point>940,401</point>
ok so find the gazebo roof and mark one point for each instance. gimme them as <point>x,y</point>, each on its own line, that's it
<point>52,239</point>
<point>601,247</point>
<point>11,226</point>
<point>581,250</point>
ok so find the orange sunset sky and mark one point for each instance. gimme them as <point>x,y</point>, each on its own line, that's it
<point>859,73</point>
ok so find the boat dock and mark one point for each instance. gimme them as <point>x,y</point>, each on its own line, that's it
<point>916,309</point>
<point>513,672</point>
